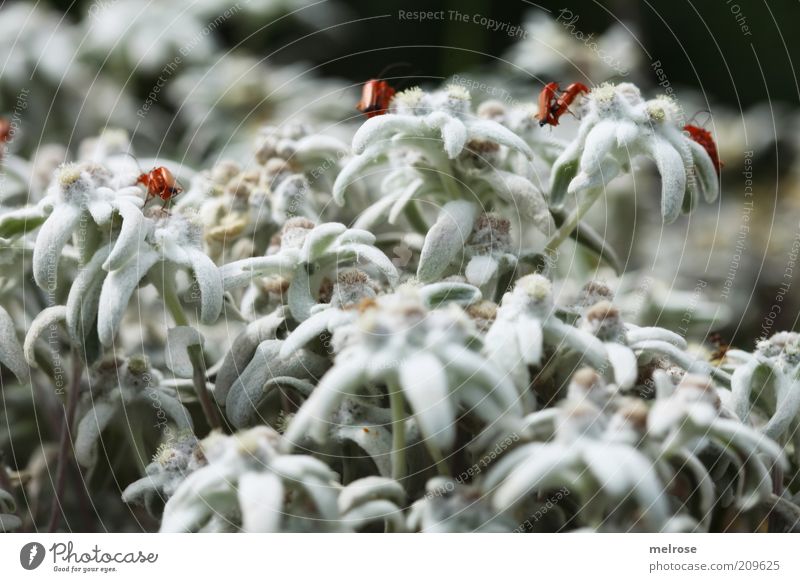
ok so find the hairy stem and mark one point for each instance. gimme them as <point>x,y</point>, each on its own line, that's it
<point>398,431</point>
<point>571,223</point>
<point>438,459</point>
<point>65,445</point>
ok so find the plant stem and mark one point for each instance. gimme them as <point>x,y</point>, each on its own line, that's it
<point>571,223</point>
<point>398,431</point>
<point>195,354</point>
<point>65,444</point>
<point>438,459</point>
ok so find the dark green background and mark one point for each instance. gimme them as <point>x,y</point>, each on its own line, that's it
<point>698,41</point>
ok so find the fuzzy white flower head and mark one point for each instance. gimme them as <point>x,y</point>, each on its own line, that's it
<point>621,126</point>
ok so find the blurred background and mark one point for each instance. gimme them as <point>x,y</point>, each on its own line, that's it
<point>193,81</point>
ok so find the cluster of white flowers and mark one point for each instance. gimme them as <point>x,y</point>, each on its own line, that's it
<point>325,336</point>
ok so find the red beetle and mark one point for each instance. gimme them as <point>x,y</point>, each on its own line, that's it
<point>375,98</point>
<point>552,105</point>
<point>547,103</point>
<point>160,182</point>
<point>5,135</point>
<point>703,137</point>
<point>5,130</point>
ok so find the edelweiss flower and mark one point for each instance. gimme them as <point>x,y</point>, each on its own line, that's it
<point>173,461</point>
<point>249,485</point>
<point>767,382</point>
<point>172,242</point>
<point>81,193</point>
<point>424,358</point>
<point>526,322</point>
<point>308,255</point>
<point>692,419</point>
<point>618,126</point>
<point>472,166</point>
<point>128,391</point>
<point>612,481</point>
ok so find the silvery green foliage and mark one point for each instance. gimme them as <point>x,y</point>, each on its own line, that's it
<point>127,390</point>
<point>8,507</point>
<point>172,463</point>
<point>308,254</point>
<point>766,389</point>
<point>11,355</point>
<point>618,126</point>
<point>249,485</point>
<point>431,356</point>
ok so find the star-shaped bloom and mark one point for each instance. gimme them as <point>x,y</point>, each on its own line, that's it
<point>618,126</point>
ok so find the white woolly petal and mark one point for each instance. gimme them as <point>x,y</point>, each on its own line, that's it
<point>241,273</point>
<point>209,281</point>
<point>383,127</point>
<point>11,353</point>
<point>177,356</point>
<point>131,236</point>
<point>599,143</point>
<point>446,238</point>
<point>90,429</point>
<point>480,270</point>
<point>623,360</point>
<point>53,235</point>
<point>370,488</point>
<point>705,170</point>
<point>307,331</point>
<point>313,418</point>
<point>101,211</point>
<point>356,235</point>
<point>608,170</point>
<point>89,275</point>
<point>261,500</point>
<point>425,386</point>
<point>352,170</point>
<point>673,176</point>
<point>453,130</point>
<point>317,146</point>
<point>742,388</point>
<point>320,239</point>
<point>377,211</point>
<point>639,334</point>
<point>116,293</point>
<point>531,339</point>
<point>406,195</point>
<point>46,319</point>
<point>493,131</point>
<point>582,342</point>
<point>376,257</point>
